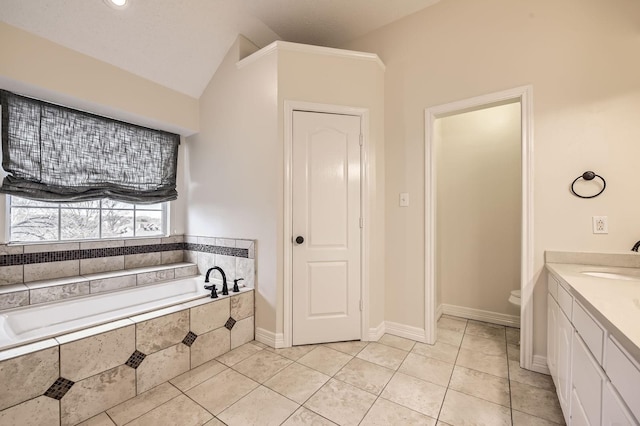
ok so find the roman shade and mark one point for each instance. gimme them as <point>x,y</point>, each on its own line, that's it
<point>54,153</point>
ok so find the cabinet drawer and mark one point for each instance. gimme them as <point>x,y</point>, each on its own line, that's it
<point>565,300</point>
<point>624,376</point>
<point>589,330</point>
<point>552,286</point>
<point>587,381</point>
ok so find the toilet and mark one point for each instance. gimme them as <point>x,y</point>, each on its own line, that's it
<point>514,298</point>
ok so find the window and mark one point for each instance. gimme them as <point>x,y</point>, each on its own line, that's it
<point>32,221</point>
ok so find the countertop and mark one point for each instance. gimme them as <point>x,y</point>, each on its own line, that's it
<point>615,303</point>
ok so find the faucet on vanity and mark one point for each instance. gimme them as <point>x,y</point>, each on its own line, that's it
<point>212,287</point>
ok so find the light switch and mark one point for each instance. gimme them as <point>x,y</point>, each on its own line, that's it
<point>404,199</point>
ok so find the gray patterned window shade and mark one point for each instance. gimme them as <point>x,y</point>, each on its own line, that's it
<point>54,153</point>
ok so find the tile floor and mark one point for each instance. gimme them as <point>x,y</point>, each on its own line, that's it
<point>470,376</point>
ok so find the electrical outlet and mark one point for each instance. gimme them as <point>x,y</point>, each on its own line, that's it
<point>600,225</point>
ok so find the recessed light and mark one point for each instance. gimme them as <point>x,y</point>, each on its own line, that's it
<point>117,4</point>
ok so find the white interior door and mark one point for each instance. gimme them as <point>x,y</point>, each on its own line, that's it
<point>326,227</point>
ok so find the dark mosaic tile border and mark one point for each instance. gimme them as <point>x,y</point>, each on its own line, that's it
<point>227,251</point>
<point>61,256</point>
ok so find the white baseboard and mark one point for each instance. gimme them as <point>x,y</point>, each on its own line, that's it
<point>406,331</point>
<point>269,338</point>
<point>539,364</point>
<point>438,312</point>
<point>376,333</point>
<point>480,315</point>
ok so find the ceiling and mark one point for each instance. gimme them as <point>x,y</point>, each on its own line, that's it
<point>180,43</point>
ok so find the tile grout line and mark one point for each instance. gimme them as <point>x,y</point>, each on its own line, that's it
<point>454,367</point>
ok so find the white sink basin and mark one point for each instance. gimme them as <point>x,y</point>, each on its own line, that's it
<point>612,275</point>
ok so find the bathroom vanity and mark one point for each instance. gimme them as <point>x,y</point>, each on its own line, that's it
<point>593,337</point>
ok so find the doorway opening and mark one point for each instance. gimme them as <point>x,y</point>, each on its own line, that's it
<point>478,170</point>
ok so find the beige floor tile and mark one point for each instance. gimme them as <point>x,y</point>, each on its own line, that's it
<point>297,382</point>
<point>523,419</point>
<point>489,346</point>
<point>214,422</point>
<point>481,385</point>
<point>415,394</point>
<point>238,354</point>
<point>303,417</point>
<point>483,329</point>
<point>179,411</point>
<point>442,351</point>
<point>513,352</point>
<point>491,364</point>
<point>261,407</point>
<point>341,403</point>
<point>365,375</point>
<point>100,420</point>
<point>443,424</point>
<point>259,344</point>
<point>530,377</point>
<point>429,369</point>
<point>195,376</point>
<point>386,412</point>
<point>513,335</point>
<point>325,360</point>
<point>383,355</point>
<point>294,353</point>
<point>143,403</point>
<point>452,323</point>
<point>448,336</point>
<point>350,348</point>
<point>262,366</point>
<point>461,409</point>
<point>536,401</point>
<point>397,342</point>
<point>222,390</point>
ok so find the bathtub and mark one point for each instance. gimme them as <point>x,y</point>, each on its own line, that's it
<point>29,324</point>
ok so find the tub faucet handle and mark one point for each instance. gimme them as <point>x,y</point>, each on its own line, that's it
<point>235,285</point>
<point>214,293</point>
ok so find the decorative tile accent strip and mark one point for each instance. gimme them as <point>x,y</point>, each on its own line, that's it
<point>59,388</point>
<point>227,251</point>
<point>59,256</point>
<point>135,359</point>
<point>190,338</point>
<point>230,323</point>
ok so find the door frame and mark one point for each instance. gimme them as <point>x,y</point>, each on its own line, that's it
<point>524,95</point>
<point>365,192</point>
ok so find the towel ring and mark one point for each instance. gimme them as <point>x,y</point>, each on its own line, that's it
<point>588,175</point>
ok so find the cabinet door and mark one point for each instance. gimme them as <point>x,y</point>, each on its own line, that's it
<point>578,416</point>
<point>587,381</point>
<point>552,337</point>
<point>614,412</point>
<point>565,340</point>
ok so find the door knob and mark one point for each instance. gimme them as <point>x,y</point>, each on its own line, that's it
<point>299,239</point>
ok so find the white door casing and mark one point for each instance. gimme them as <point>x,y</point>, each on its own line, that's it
<point>326,214</point>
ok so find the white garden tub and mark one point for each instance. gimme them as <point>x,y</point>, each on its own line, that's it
<point>37,322</point>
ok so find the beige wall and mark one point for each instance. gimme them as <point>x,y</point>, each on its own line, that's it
<point>236,162</point>
<point>478,179</point>
<point>234,166</point>
<point>581,56</point>
<point>37,67</point>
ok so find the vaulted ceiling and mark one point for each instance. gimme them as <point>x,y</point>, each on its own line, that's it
<point>180,43</point>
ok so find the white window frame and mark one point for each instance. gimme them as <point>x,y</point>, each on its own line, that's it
<point>162,233</point>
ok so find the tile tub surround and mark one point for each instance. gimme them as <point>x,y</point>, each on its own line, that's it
<point>21,263</point>
<point>36,292</point>
<point>74,377</point>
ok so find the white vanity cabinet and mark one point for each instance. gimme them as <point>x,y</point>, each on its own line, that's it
<point>597,382</point>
